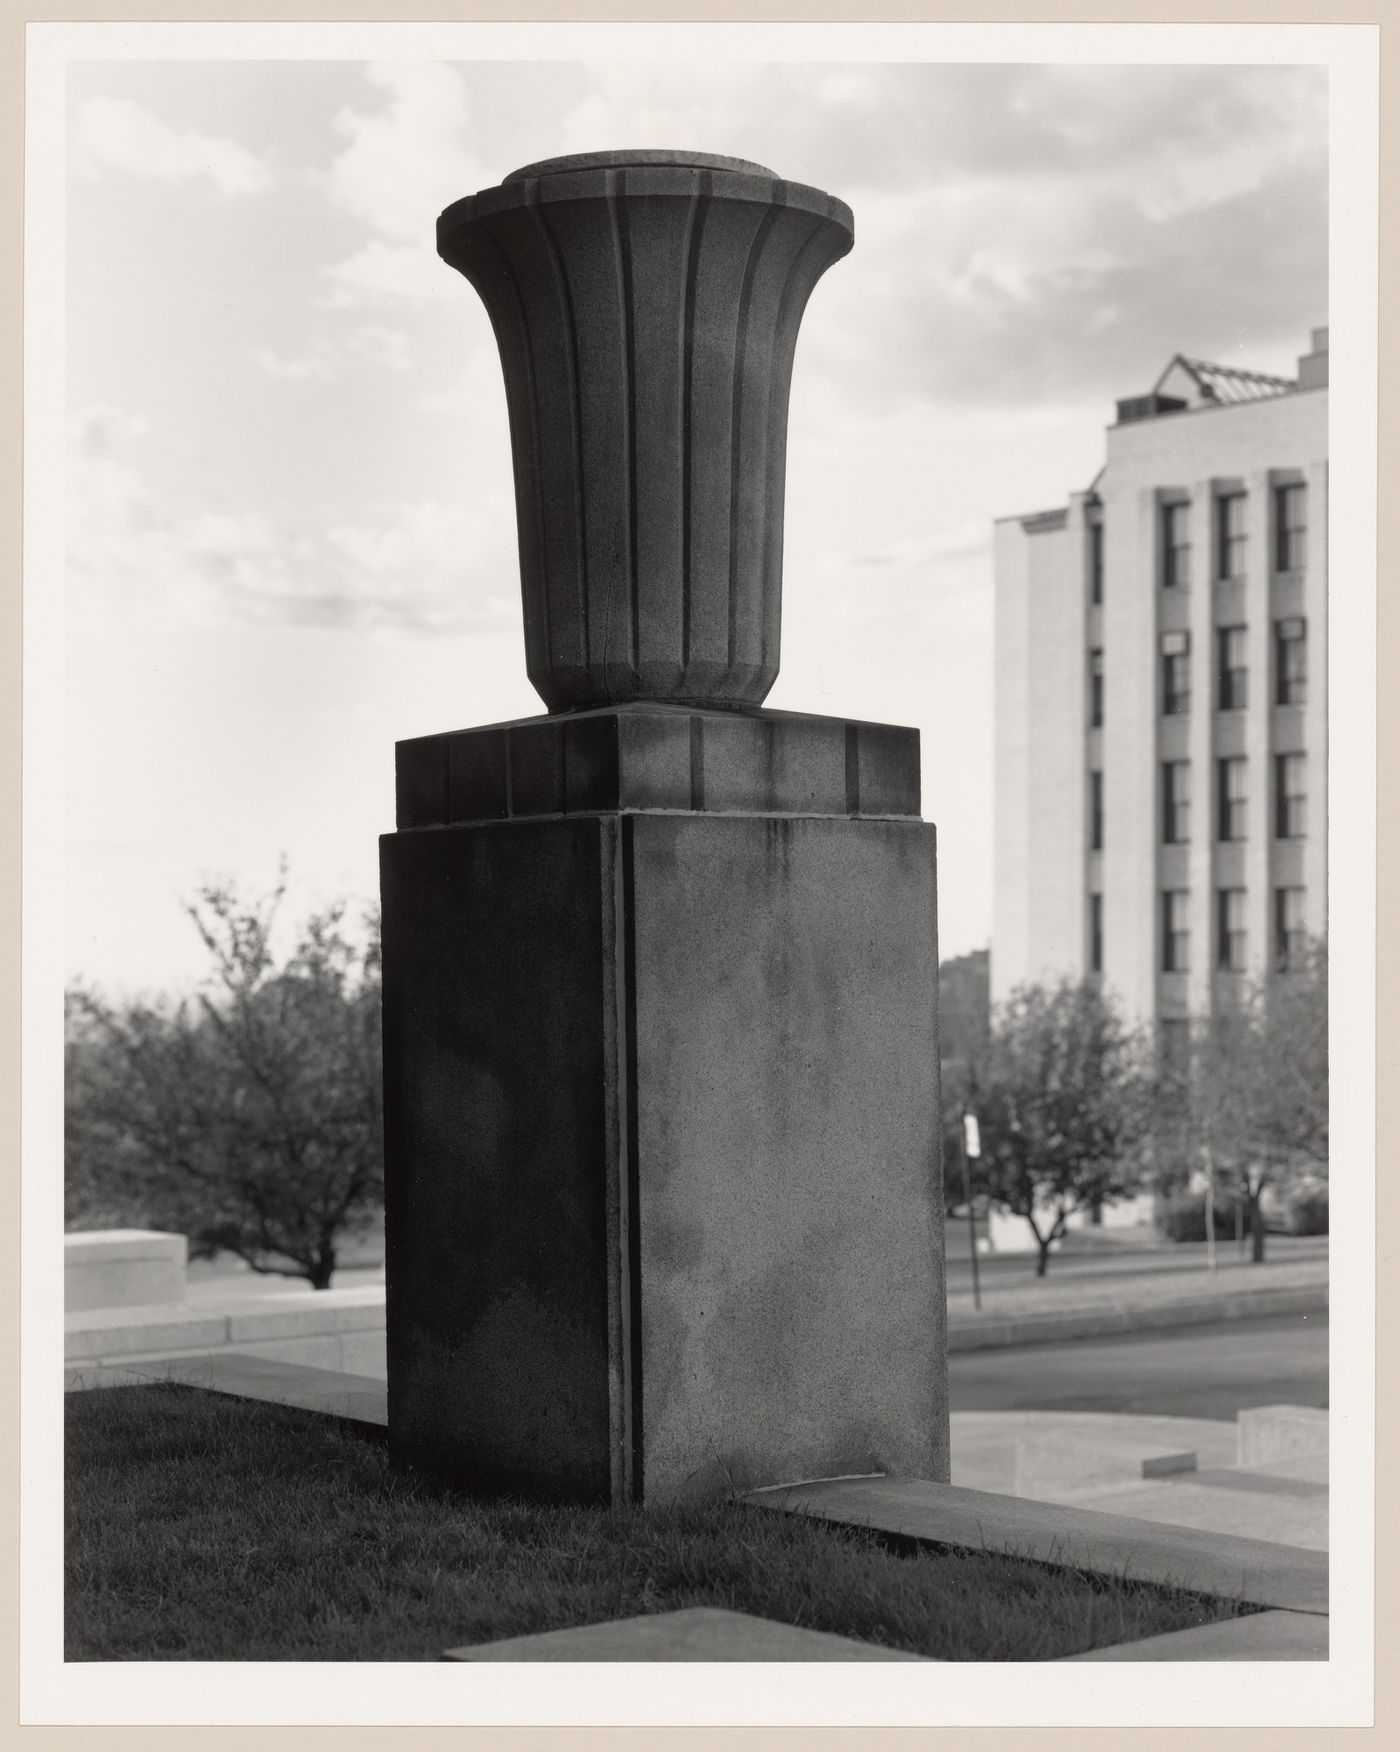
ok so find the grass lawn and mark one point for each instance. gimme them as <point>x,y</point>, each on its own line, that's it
<point>1138,1285</point>
<point>200,1527</point>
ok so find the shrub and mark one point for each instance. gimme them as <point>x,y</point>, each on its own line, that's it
<point>1182,1217</point>
<point>1307,1211</point>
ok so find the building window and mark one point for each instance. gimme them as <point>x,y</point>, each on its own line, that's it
<point>1176,546</point>
<point>1231,669</point>
<point>1176,674</point>
<point>1095,812</point>
<point>1176,802</point>
<point>1176,932</point>
<point>1095,933</point>
<point>1290,528</point>
<point>1291,660</point>
<point>1232,798</point>
<point>1291,796</point>
<point>1290,938</point>
<point>1095,690</point>
<point>1096,563</point>
<point>1229,930</point>
<point>1230,536</point>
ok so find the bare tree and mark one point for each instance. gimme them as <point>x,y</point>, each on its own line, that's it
<point>251,1117</point>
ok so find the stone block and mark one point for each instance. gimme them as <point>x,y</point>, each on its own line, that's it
<point>698,1633</point>
<point>663,1212</point>
<point>660,757</point>
<point>123,1268</point>
<point>1280,1432</point>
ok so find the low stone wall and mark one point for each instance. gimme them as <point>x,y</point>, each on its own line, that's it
<point>326,1329</point>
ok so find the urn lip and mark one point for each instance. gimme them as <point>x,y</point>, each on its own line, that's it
<point>645,173</point>
<point>641,158</point>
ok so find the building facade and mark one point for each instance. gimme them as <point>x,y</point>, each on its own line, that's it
<point>1161,700</point>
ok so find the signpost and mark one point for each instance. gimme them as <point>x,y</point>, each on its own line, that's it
<point>971,1146</point>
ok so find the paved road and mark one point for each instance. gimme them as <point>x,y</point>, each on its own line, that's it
<point>1187,1371</point>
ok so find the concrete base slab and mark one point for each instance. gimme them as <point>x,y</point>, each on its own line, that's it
<point>353,1397</point>
<point>1260,1636</point>
<point>700,1633</point>
<point>1219,1564</point>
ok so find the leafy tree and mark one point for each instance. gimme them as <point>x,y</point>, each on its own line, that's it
<point>1251,1103</point>
<point>1063,1098</point>
<point>250,1119</point>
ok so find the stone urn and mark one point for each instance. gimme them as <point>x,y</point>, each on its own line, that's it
<point>646,307</point>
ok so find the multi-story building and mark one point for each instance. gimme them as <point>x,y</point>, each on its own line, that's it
<point>1161,700</point>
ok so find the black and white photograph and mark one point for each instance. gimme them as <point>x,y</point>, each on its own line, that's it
<point>699,874</point>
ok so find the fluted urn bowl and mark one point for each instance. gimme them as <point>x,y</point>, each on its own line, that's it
<point>646,307</point>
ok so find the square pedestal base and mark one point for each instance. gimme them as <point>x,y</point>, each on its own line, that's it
<point>664,1214</point>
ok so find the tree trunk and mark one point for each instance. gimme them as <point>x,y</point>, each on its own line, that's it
<point>1042,1264</point>
<point>322,1270</point>
<point>1255,1215</point>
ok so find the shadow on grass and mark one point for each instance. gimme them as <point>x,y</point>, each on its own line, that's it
<point>199,1527</point>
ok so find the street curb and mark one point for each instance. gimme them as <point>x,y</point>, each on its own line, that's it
<point>993,1332</point>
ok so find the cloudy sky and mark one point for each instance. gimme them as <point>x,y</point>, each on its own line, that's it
<point>290,522</point>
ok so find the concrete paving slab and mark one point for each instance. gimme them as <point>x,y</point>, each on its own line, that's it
<point>984,1442</point>
<point>1223,1504</point>
<point>332,1392</point>
<point>700,1633</point>
<point>1260,1636</point>
<point>1061,1464</point>
<point>1266,1574</point>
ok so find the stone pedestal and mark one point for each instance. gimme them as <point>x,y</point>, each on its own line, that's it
<point>664,1206</point>
<point>665,1214</point>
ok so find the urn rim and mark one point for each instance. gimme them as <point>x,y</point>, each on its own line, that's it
<point>640,158</point>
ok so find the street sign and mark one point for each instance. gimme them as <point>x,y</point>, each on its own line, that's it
<point>972,1136</point>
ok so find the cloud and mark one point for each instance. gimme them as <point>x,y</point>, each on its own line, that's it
<point>383,272</point>
<point>114,134</point>
<point>1020,298</point>
<point>1024,234</point>
<point>415,565</point>
<point>329,358</point>
<point>401,164</point>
